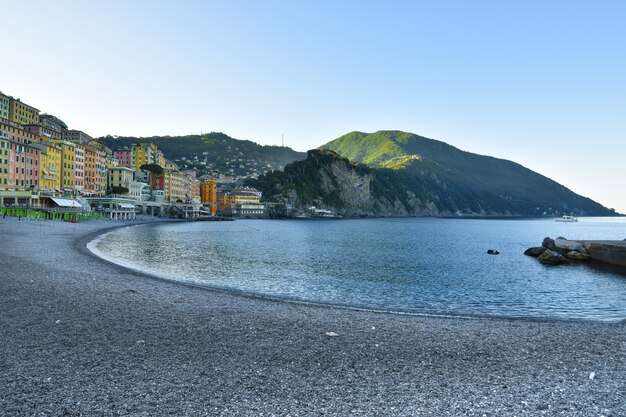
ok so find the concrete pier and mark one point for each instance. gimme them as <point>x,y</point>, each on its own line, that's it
<point>608,251</point>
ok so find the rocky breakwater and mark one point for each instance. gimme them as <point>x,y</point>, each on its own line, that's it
<point>559,251</point>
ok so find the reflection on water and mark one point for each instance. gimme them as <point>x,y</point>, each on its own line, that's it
<point>419,265</point>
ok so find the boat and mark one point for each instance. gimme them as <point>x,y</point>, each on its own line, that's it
<point>567,219</point>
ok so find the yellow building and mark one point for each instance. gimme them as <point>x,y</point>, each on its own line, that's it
<point>68,165</point>
<point>146,153</point>
<point>22,113</point>
<point>208,194</point>
<point>241,201</point>
<point>50,163</point>
<point>103,159</point>
<point>174,185</point>
<point>120,177</point>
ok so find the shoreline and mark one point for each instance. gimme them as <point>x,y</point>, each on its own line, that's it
<point>82,244</point>
<point>82,335</point>
<point>205,285</point>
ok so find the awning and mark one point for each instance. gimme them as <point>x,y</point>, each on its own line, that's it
<point>62,202</point>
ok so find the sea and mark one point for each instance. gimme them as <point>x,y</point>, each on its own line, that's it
<point>404,265</point>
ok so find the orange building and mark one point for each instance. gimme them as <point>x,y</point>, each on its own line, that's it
<point>208,194</point>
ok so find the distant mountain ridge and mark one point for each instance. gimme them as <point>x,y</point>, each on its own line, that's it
<point>214,152</point>
<point>400,173</point>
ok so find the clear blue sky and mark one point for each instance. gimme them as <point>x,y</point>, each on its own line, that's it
<point>542,83</point>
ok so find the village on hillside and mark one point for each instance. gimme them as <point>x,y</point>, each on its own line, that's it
<point>48,170</point>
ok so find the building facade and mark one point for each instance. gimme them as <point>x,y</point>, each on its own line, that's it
<point>174,183</point>
<point>146,153</point>
<point>79,169</point>
<point>123,157</point>
<point>78,136</point>
<point>242,201</point>
<point>68,166</point>
<point>51,158</point>
<point>22,113</point>
<point>120,177</point>
<point>4,106</point>
<point>19,158</point>
<point>208,194</point>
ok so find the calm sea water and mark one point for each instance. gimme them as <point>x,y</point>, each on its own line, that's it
<point>418,265</point>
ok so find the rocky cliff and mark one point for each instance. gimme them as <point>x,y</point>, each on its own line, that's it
<point>421,188</point>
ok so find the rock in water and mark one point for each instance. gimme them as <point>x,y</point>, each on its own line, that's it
<point>536,251</point>
<point>548,243</point>
<point>577,256</point>
<point>569,245</point>
<point>552,257</point>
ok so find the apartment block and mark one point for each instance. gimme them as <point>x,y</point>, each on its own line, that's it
<point>79,168</point>
<point>174,183</point>
<point>50,161</point>
<point>123,157</point>
<point>120,177</point>
<point>145,153</point>
<point>19,159</point>
<point>90,170</point>
<point>68,166</point>
<point>208,194</point>
<point>4,106</point>
<point>22,113</point>
<point>78,136</point>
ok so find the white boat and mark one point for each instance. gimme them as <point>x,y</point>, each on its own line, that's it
<point>567,219</point>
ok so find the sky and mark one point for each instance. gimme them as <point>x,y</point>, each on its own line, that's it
<point>542,83</point>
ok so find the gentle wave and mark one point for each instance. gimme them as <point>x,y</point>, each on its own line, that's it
<point>420,266</point>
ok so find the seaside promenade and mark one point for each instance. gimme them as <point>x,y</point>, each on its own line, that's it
<point>81,336</point>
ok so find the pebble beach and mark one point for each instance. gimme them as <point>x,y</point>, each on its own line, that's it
<point>80,336</point>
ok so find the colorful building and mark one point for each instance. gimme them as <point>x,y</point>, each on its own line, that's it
<point>145,153</point>
<point>174,183</point>
<point>104,158</point>
<point>78,136</point>
<point>90,170</point>
<point>19,159</point>
<point>4,106</point>
<point>50,163</point>
<point>123,157</point>
<point>22,113</point>
<point>242,201</point>
<point>20,165</point>
<point>79,168</point>
<point>208,194</point>
<point>68,166</point>
<point>120,177</point>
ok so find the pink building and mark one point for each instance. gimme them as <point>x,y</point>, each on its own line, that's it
<point>123,156</point>
<point>19,161</point>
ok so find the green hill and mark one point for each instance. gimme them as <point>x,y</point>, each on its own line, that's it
<point>398,173</point>
<point>214,153</point>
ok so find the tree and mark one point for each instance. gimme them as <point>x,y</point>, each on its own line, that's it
<point>153,168</point>
<point>120,190</point>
